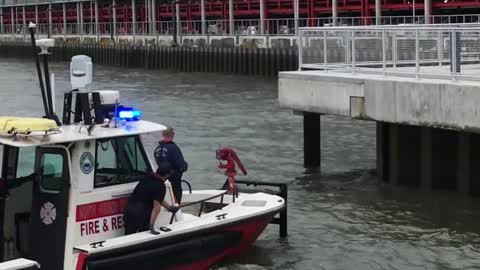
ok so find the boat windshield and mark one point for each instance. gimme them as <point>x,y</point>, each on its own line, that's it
<point>120,160</point>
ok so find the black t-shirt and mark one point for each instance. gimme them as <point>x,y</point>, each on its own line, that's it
<point>149,189</point>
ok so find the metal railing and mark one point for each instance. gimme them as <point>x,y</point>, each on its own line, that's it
<point>427,51</point>
<point>10,3</point>
<point>242,27</point>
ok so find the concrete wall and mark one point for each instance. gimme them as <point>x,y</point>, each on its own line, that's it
<point>326,94</point>
<point>425,102</point>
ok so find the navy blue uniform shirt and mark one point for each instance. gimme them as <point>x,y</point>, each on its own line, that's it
<point>169,151</point>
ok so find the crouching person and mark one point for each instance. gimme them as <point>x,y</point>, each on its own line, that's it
<point>146,201</point>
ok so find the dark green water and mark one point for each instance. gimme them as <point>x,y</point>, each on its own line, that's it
<point>339,219</point>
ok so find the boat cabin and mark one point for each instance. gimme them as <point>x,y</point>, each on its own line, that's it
<point>83,181</point>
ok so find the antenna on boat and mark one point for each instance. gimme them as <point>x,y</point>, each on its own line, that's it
<point>46,89</point>
<point>32,27</point>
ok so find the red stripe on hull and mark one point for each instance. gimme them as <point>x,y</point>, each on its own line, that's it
<point>100,209</point>
<point>250,232</point>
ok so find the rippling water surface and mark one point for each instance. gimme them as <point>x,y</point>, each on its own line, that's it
<point>339,219</point>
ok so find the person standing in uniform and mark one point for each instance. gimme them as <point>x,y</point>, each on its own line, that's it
<point>146,201</point>
<point>167,150</point>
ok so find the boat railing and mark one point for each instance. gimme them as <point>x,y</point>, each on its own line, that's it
<point>202,203</point>
<point>188,185</point>
<point>281,220</point>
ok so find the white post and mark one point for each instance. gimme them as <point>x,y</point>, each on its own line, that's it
<point>81,20</point>
<point>378,11</point>
<point>394,49</point>
<point>50,26</point>
<point>230,17</point>
<point>440,47</point>
<point>114,20</point>
<point>134,20</point>
<point>78,18</point>
<point>334,12</point>
<point>97,28</point>
<point>325,44</point>
<point>262,17</point>
<point>453,53</point>
<point>24,28</point>
<point>428,8</point>
<point>202,13</point>
<point>36,15</point>
<point>64,21</point>
<point>90,29</point>
<point>1,20</point>
<point>300,50</point>
<point>177,14</point>
<point>295,15</point>
<point>154,17</point>
<point>384,52</point>
<point>413,7</point>
<point>353,51</point>
<point>146,23</point>
<point>417,53</point>
<point>14,20</point>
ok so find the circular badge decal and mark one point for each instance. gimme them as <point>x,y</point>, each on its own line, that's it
<point>48,213</point>
<point>86,163</point>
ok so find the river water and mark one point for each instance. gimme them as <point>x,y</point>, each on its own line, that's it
<point>341,218</point>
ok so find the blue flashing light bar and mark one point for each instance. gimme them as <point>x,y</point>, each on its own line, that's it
<point>129,114</point>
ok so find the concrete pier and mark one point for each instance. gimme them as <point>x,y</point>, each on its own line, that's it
<point>427,130</point>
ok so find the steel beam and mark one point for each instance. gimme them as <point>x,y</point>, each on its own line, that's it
<point>334,12</point>
<point>428,10</point>
<point>24,28</point>
<point>295,15</point>
<point>134,20</point>
<point>97,28</point>
<point>12,21</point>
<point>146,19</point>
<point>64,20</point>
<point>177,15</point>
<point>81,20</point>
<point>154,17</point>
<point>378,11</point>
<point>1,20</point>
<point>230,17</point>
<point>36,15</point>
<point>262,17</point>
<point>78,18</point>
<point>202,14</point>
<point>114,19</point>
<point>50,26</point>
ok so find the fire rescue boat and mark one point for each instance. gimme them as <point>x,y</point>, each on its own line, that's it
<point>69,216</point>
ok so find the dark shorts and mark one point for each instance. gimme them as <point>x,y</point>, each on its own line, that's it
<point>136,218</point>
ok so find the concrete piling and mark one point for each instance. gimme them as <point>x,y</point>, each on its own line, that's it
<point>428,158</point>
<point>311,140</point>
<point>444,159</point>
<point>382,152</point>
